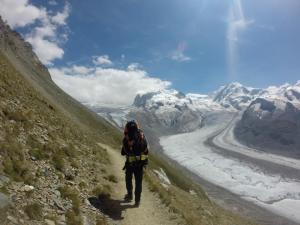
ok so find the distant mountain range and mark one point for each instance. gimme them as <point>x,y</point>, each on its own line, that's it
<point>270,117</point>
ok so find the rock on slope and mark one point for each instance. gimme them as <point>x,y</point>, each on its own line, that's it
<point>49,157</point>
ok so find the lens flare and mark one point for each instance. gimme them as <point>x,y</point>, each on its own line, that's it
<point>236,24</point>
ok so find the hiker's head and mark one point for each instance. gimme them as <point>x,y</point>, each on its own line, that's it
<point>131,129</point>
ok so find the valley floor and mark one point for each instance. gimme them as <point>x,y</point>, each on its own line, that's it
<point>269,181</point>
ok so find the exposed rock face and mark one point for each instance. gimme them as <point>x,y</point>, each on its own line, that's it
<point>4,201</point>
<point>271,125</point>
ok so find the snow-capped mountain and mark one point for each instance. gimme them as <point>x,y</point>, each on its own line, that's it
<point>286,92</point>
<point>169,109</point>
<point>236,96</point>
<point>272,121</point>
<point>273,111</point>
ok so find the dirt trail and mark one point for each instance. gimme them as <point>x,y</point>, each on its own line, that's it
<point>150,211</point>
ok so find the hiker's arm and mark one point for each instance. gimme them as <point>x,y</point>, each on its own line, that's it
<point>145,146</point>
<point>123,150</point>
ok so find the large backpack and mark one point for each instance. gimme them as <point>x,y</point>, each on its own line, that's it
<point>134,136</point>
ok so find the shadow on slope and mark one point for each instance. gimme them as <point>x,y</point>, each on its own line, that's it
<point>110,207</point>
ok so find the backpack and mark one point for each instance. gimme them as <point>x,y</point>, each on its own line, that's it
<point>134,143</point>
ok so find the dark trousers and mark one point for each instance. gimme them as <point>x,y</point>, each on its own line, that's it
<point>137,171</point>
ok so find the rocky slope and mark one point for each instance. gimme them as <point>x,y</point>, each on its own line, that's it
<point>50,162</point>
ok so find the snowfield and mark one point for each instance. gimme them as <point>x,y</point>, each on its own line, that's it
<point>271,191</point>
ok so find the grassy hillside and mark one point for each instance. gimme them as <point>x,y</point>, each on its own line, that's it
<point>40,146</point>
<point>50,162</point>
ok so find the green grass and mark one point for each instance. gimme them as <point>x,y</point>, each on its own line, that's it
<point>38,120</point>
<point>58,161</point>
<point>34,211</point>
<point>4,190</point>
<point>72,194</point>
<point>73,218</point>
<point>112,178</point>
<point>101,221</point>
<point>103,190</point>
<point>39,153</point>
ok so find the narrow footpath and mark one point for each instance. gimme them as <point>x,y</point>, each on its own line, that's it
<point>150,212</point>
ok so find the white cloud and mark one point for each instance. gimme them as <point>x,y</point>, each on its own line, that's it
<point>102,60</point>
<point>49,29</point>
<point>179,55</point>
<point>46,50</point>
<point>19,13</point>
<point>105,86</point>
<point>61,17</point>
<point>134,66</point>
<point>52,2</point>
<point>82,70</point>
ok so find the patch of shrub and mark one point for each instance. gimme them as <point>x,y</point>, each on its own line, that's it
<point>18,170</point>
<point>58,161</point>
<point>69,151</point>
<point>112,178</point>
<point>101,221</point>
<point>34,211</point>
<point>82,184</point>
<point>73,218</point>
<point>69,193</point>
<point>39,154</point>
<point>4,190</point>
<point>104,190</point>
<point>17,116</point>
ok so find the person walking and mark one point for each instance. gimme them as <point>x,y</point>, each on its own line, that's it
<point>135,148</point>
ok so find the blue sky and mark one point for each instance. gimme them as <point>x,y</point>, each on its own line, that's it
<point>147,32</point>
<point>196,45</point>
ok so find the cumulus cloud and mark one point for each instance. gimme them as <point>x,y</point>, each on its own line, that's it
<point>19,13</point>
<point>61,17</point>
<point>102,60</point>
<point>48,29</point>
<point>105,86</point>
<point>52,2</point>
<point>179,55</point>
<point>134,66</point>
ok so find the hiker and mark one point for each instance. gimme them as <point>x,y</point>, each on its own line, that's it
<point>136,151</point>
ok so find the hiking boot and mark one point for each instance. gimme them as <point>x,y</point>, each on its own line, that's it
<point>137,203</point>
<point>128,197</point>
